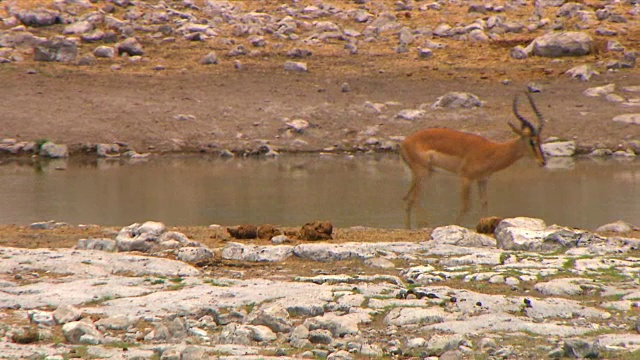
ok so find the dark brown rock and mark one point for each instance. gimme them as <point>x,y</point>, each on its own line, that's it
<point>317,230</point>
<point>244,231</point>
<point>487,225</point>
<point>267,231</point>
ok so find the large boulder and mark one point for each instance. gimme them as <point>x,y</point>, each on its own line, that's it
<point>56,49</point>
<point>52,150</point>
<point>130,46</point>
<point>558,44</point>
<point>39,17</point>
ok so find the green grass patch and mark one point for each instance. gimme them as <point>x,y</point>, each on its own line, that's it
<point>120,345</point>
<point>99,300</point>
<point>569,264</point>
<point>216,282</point>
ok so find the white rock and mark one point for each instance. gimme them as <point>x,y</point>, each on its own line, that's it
<point>438,343</point>
<point>151,227</point>
<point>66,313</point>
<point>557,44</point>
<point>457,100</point>
<point>193,254</point>
<point>376,108</point>
<point>617,226</point>
<point>520,233</point>
<point>522,222</point>
<point>238,251</point>
<point>478,258</point>
<point>97,244</point>
<point>236,334</point>
<point>460,236</point>
<point>582,72</point>
<point>295,66</point>
<point>407,315</point>
<point>615,98</point>
<point>600,90</point>
<point>559,287</point>
<point>41,317</point>
<point>410,114</point>
<point>352,300</point>
<point>416,342</point>
<point>52,150</point>
<point>74,331</point>
<point>275,317</point>
<point>628,119</point>
<point>298,125</point>
<point>339,325</point>
<point>299,332</point>
<point>261,333</point>
<point>559,148</point>
<point>116,322</point>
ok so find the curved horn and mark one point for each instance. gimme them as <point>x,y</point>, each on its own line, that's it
<point>525,122</point>
<point>541,119</point>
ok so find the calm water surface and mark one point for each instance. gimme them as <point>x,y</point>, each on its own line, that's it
<point>293,190</point>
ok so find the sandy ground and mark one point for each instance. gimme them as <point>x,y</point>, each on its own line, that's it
<point>239,109</point>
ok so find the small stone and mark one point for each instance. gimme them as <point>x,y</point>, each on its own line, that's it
<point>130,46</point>
<point>209,59</point>
<point>425,53</point>
<point>295,66</point>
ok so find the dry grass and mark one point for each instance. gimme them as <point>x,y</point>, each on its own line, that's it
<point>62,237</point>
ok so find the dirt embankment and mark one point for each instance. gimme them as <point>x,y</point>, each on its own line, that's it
<point>166,100</point>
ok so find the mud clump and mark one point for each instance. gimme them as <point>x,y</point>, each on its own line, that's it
<point>267,231</point>
<point>317,230</point>
<point>244,231</point>
<point>488,225</point>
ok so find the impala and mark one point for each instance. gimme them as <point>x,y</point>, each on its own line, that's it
<point>472,157</point>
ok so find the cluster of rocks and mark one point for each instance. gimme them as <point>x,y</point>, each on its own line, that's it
<point>52,150</point>
<point>526,291</point>
<point>86,31</point>
<point>317,230</point>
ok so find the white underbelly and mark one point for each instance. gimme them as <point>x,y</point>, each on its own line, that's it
<point>443,161</point>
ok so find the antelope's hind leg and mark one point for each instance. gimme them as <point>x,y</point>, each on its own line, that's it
<point>465,194</point>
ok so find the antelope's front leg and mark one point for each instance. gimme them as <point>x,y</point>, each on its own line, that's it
<point>465,193</point>
<point>482,193</point>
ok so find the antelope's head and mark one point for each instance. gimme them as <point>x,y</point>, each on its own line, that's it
<point>529,133</point>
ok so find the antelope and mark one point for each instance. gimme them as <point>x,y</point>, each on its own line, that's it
<point>472,157</point>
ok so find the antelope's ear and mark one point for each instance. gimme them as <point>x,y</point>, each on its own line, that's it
<point>515,129</point>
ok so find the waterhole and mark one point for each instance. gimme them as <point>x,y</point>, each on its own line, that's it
<point>363,190</point>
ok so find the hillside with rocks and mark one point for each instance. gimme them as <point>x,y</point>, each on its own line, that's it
<point>236,77</point>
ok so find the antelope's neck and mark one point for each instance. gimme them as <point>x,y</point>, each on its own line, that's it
<point>508,153</point>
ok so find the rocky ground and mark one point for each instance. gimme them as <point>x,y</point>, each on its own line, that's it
<point>239,77</point>
<point>525,291</point>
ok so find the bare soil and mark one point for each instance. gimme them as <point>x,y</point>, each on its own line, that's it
<point>240,109</point>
